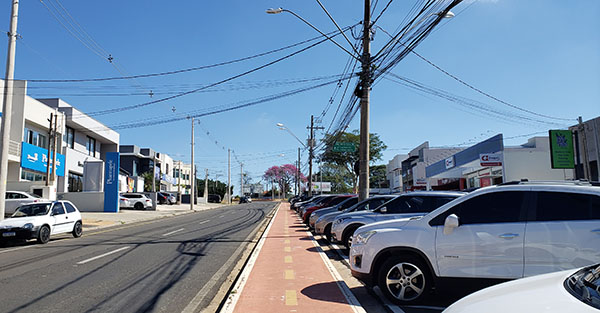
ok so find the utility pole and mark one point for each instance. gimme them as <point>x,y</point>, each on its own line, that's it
<point>54,147</point>
<point>7,106</point>
<point>241,179</point>
<point>298,175</point>
<point>192,173</point>
<point>49,149</point>
<point>311,147</point>
<point>179,182</point>
<point>206,187</point>
<point>272,189</point>
<point>228,176</point>
<point>363,177</point>
<point>586,163</point>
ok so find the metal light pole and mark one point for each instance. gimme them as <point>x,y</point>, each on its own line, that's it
<point>363,150</point>
<point>192,173</point>
<point>7,106</point>
<point>228,176</point>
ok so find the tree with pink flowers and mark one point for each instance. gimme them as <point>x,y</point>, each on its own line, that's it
<point>283,175</point>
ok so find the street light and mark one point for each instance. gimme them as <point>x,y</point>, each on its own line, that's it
<point>282,127</point>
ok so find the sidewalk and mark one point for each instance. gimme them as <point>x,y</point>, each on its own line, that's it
<point>288,273</point>
<point>93,220</point>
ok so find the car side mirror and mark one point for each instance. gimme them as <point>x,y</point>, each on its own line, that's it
<point>383,210</point>
<point>450,224</point>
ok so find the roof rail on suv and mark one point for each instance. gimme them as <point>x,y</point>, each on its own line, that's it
<point>551,182</point>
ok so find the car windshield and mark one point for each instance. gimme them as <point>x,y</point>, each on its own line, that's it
<point>32,210</point>
<point>585,285</point>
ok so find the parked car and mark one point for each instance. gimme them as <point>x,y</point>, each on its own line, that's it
<point>14,199</point>
<point>324,222</point>
<point>306,212</point>
<point>40,220</point>
<point>490,235</point>
<point>172,198</point>
<point>314,199</point>
<point>212,198</point>
<point>573,291</point>
<point>162,198</point>
<point>138,201</point>
<point>410,204</point>
<point>336,208</point>
<point>124,202</point>
<point>318,201</point>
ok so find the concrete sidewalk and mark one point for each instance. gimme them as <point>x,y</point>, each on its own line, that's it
<point>94,220</point>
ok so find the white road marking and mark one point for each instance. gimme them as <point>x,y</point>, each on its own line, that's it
<point>102,255</point>
<point>221,216</point>
<point>175,231</point>
<point>15,249</point>
<point>352,301</point>
<point>338,249</point>
<point>392,307</point>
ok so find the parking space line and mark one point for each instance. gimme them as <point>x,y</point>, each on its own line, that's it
<point>287,259</point>
<point>287,241</point>
<point>287,249</point>
<point>102,255</point>
<point>388,304</point>
<point>290,297</point>
<point>171,233</point>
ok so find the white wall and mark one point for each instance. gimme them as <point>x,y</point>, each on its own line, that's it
<point>85,201</point>
<point>533,164</point>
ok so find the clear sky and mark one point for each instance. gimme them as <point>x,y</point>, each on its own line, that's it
<point>539,55</point>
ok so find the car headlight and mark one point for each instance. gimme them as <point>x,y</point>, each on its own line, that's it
<point>363,237</point>
<point>28,226</point>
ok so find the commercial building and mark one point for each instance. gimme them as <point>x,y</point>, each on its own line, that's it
<point>394,172</point>
<point>182,174</point>
<point>414,166</point>
<point>490,162</point>
<point>589,150</point>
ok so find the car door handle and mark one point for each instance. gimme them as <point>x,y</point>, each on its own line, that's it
<point>508,236</point>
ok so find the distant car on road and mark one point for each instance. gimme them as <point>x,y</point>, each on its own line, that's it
<point>138,201</point>
<point>214,198</point>
<point>14,199</point>
<point>40,220</point>
<point>245,199</point>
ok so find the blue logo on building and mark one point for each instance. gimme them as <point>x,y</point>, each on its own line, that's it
<point>36,158</point>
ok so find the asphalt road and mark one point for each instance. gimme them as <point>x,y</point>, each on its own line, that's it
<point>168,265</point>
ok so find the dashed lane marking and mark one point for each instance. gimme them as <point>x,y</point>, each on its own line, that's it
<point>289,274</point>
<point>287,249</point>
<point>171,233</point>
<point>287,259</point>
<point>287,241</point>
<point>102,255</point>
<point>290,297</point>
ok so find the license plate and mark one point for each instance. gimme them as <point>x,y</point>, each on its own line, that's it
<point>9,234</point>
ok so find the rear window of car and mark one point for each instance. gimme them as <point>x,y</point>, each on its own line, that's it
<point>69,207</point>
<point>566,206</point>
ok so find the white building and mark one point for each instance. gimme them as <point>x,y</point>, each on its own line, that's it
<point>592,138</point>
<point>394,172</point>
<point>182,174</point>
<point>414,175</point>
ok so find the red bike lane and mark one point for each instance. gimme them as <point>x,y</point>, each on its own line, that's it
<point>290,275</point>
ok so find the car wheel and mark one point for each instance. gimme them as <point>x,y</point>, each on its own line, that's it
<point>347,237</point>
<point>327,232</point>
<point>138,206</point>
<point>44,234</point>
<point>404,280</point>
<point>77,230</point>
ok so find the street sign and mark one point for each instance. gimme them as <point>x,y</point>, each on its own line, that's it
<point>344,147</point>
<point>562,154</point>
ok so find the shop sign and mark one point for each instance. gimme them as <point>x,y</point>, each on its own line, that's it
<point>490,159</point>
<point>111,182</point>
<point>561,149</point>
<point>321,186</point>
<point>36,158</point>
<point>449,162</point>
<point>421,181</point>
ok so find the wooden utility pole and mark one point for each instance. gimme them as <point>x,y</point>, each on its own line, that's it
<point>51,120</point>
<point>311,147</point>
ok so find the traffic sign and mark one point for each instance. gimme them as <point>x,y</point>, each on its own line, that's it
<point>344,147</point>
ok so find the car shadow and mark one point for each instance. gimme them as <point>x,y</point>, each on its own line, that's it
<point>329,292</point>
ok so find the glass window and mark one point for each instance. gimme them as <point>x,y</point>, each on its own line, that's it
<point>91,146</point>
<point>58,209</point>
<point>75,182</point>
<point>408,204</point>
<point>70,137</point>
<point>32,176</point>
<point>496,207</point>
<point>69,207</point>
<point>564,206</point>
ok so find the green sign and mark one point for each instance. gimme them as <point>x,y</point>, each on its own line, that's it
<point>344,147</point>
<point>561,149</point>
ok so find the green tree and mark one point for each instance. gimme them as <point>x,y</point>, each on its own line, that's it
<point>148,181</point>
<point>378,177</point>
<point>348,159</point>
<point>218,187</point>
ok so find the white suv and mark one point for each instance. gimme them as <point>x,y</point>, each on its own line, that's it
<point>490,235</point>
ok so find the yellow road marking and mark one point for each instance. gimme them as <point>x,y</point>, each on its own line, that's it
<point>287,259</point>
<point>290,297</point>
<point>287,249</point>
<point>286,241</point>
<point>289,274</point>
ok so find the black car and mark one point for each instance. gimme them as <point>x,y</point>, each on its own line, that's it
<point>245,199</point>
<point>214,198</point>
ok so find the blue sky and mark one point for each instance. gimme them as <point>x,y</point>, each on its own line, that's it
<point>540,55</point>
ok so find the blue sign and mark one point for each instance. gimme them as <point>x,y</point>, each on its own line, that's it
<point>36,158</point>
<point>111,182</point>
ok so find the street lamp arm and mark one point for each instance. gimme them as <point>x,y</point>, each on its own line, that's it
<point>289,131</point>
<point>276,11</point>
<point>338,27</point>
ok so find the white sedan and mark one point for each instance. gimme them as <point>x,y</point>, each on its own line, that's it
<point>15,199</point>
<point>41,220</point>
<point>573,291</point>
